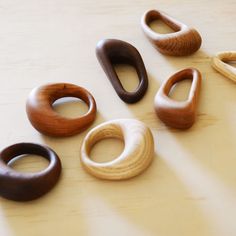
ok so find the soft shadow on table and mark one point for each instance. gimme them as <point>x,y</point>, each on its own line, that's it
<point>147,204</point>
<point>48,213</point>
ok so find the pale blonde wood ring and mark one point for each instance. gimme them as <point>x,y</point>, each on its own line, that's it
<point>137,154</point>
<point>222,67</point>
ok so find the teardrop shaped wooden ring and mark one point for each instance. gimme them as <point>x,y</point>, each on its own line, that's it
<point>20,186</point>
<point>218,63</point>
<point>113,51</point>
<point>136,156</point>
<point>43,118</point>
<point>178,114</point>
<point>184,41</point>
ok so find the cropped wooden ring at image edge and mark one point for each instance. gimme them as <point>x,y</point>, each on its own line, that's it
<point>20,186</point>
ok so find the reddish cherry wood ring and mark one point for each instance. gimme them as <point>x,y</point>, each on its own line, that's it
<point>42,116</point>
<point>184,41</point>
<point>27,186</point>
<point>178,114</point>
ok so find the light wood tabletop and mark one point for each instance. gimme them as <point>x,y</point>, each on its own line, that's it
<point>189,189</point>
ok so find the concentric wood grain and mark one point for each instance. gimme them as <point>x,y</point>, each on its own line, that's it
<point>184,41</point>
<point>136,156</point>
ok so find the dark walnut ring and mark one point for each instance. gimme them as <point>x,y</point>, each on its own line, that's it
<point>27,186</point>
<point>47,121</point>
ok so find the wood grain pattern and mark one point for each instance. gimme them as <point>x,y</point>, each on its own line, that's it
<point>42,116</point>
<point>27,186</point>
<point>184,41</point>
<point>219,62</point>
<point>189,189</point>
<point>178,114</point>
<point>136,156</point>
<point>113,51</point>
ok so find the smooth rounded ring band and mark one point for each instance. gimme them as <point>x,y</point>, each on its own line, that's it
<point>43,118</point>
<point>27,186</point>
<point>137,154</point>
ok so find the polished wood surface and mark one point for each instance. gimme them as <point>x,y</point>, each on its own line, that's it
<point>43,118</point>
<point>19,186</point>
<point>190,187</point>
<point>219,62</point>
<point>183,41</point>
<point>111,52</point>
<point>179,114</point>
<point>135,158</point>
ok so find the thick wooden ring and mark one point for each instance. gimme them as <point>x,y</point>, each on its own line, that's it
<point>178,114</point>
<point>43,118</point>
<point>27,186</point>
<point>219,64</point>
<point>113,51</point>
<point>136,156</point>
<point>184,41</point>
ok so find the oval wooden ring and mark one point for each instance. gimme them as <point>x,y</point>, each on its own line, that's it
<point>184,41</point>
<point>218,63</point>
<point>43,118</point>
<point>178,114</point>
<point>136,156</point>
<point>27,186</point>
<point>114,51</point>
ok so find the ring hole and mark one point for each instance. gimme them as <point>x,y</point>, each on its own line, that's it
<point>128,77</point>
<point>70,107</point>
<point>160,27</point>
<point>107,150</point>
<point>28,163</point>
<point>231,63</point>
<point>180,91</point>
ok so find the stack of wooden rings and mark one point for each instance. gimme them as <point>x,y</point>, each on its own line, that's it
<point>139,144</point>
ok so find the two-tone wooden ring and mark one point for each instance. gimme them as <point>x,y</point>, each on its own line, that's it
<point>178,114</point>
<point>27,186</point>
<point>113,51</point>
<point>219,62</point>
<point>184,41</point>
<point>137,154</point>
<point>43,118</point>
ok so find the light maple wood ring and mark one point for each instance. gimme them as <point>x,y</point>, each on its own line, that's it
<point>19,186</point>
<point>218,63</point>
<point>43,118</point>
<point>184,41</point>
<point>136,156</point>
<point>178,114</point>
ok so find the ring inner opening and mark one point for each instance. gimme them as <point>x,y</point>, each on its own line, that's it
<point>128,76</point>
<point>28,163</point>
<point>160,27</point>
<point>107,145</point>
<point>180,90</point>
<point>70,107</point>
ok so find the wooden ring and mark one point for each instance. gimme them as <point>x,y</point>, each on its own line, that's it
<point>219,64</point>
<point>184,41</point>
<point>136,156</point>
<point>178,114</point>
<point>27,186</point>
<point>43,118</point>
<point>114,51</point>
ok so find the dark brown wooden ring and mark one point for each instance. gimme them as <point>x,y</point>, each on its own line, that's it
<point>179,114</point>
<point>43,118</point>
<point>27,186</point>
<point>184,41</point>
<point>113,51</point>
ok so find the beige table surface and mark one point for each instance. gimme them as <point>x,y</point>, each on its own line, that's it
<point>190,189</point>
